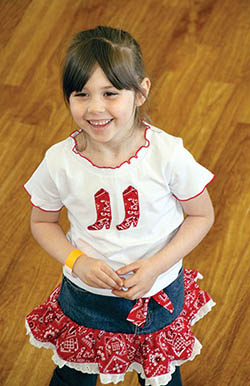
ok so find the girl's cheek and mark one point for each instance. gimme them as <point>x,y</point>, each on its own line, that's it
<point>75,108</point>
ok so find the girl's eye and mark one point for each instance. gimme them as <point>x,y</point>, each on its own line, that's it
<point>81,94</point>
<point>110,93</point>
<point>86,95</point>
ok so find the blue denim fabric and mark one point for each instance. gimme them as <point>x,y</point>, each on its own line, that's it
<point>66,376</point>
<point>109,313</point>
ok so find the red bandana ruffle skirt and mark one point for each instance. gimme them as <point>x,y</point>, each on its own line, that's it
<point>154,356</point>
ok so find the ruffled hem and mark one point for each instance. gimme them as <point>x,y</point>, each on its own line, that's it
<point>92,368</point>
<point>111,355</point>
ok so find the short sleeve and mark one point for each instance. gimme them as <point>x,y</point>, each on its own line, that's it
<point>188,178</point>
<point>43,190</point>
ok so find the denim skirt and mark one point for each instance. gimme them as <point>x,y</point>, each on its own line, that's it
<point>93,334</point>
<point>109,313</point>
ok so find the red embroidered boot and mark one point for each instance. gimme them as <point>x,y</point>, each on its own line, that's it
<point>103,210</point>
<point>132,211</point>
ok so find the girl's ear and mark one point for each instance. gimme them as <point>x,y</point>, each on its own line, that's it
<point>140,98</point>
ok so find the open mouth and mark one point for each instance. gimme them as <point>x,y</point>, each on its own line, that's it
<point>99,124</point>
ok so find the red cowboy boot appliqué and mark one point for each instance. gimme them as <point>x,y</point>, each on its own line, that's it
<point>103,209</point>
<point>132,210</point>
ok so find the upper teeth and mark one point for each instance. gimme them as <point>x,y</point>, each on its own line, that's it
<point>100,122</point>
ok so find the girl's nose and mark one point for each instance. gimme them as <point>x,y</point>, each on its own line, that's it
<point>96,105</point>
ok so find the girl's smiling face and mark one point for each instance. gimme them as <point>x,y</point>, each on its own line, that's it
<point>103,112</point>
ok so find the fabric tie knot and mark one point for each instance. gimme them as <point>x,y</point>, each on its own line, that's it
<point>138,314</point>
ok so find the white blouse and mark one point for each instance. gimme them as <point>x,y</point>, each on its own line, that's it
<point>125,213</point>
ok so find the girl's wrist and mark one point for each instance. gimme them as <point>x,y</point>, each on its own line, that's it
<point>76,269</point>
<point>160,263</point>
<point>71,261</point>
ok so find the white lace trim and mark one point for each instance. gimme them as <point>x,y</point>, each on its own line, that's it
<point>92,368</point>
<point>203,311</point>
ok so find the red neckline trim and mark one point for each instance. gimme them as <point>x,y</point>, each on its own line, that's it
<point>109,167</point>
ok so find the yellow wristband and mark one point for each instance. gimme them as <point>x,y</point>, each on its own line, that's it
<point>70,261</point>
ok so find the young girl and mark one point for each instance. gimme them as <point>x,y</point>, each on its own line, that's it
<point>125,303</point>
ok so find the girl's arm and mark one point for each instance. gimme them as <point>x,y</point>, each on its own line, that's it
<point>49,234</point>
<point>199,219</point>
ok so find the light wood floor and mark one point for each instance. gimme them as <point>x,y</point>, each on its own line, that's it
<point>198,57</point>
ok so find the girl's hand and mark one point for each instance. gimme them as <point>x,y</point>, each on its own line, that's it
<point>96,273</point>
<point>141,282</point>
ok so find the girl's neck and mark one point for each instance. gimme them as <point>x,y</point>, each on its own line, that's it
<point>111,154</point>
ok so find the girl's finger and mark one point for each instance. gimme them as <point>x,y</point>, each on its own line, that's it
<point>127,269</point>
<point>130,282</point>
<point>117,281</point>
<point>130,294</point>
<point>99,283</point>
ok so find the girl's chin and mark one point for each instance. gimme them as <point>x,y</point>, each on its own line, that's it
<point>101,136</point>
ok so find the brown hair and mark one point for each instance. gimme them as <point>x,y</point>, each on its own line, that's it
<point>115,51</point>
